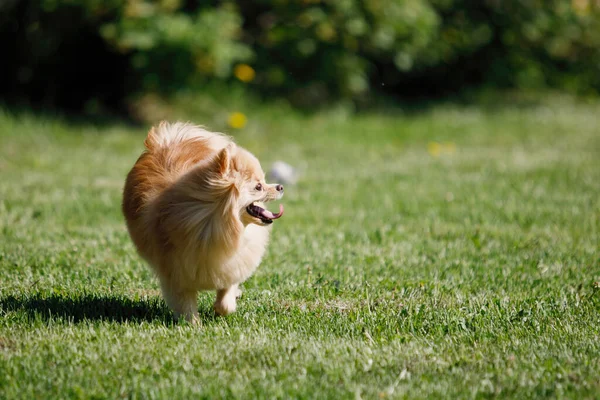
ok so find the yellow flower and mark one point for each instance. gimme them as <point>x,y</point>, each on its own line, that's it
<point>434,148</point>
<point>244,72</point>
<point>450,147</point>
<point>237,120</point>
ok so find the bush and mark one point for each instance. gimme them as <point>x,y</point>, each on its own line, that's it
<point>89,52</point>
<point>169,49</point>
<point>548,43</point>
<point>53,55</point>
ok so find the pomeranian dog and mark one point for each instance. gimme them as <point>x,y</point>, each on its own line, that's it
<point>194,206</point>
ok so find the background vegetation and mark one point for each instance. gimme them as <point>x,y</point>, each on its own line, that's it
<point>86,54</point>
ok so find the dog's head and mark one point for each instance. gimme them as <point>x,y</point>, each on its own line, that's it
<point>239,171</point>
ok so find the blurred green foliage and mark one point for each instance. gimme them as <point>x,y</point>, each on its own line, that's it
<point>79,52</point>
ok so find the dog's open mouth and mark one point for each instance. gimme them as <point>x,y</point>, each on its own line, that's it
<point>264,215</point>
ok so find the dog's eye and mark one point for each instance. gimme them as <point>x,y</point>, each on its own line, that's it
<point>258,187</point>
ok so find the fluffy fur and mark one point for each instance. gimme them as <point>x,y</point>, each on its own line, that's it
<point>192,203</point>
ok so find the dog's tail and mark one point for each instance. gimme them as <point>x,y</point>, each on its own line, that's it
<point>167,134</point>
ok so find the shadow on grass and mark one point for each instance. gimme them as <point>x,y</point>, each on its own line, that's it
<point>94,308</point>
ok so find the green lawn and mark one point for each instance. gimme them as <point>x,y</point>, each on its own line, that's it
<point>452,252</point>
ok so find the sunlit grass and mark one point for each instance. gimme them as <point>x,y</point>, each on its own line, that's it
<point>448,253</point>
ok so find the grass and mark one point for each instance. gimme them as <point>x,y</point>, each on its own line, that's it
<point>452,252</point>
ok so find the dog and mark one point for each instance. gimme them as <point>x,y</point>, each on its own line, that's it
<point>194,207</point>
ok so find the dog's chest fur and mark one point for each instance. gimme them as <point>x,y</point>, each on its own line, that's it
<point>203,274</point>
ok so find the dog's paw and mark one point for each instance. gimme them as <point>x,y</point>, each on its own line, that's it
<point>191,318</point>
<point>226,306</point>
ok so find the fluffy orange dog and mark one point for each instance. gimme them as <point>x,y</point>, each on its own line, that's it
<point>193,208</point>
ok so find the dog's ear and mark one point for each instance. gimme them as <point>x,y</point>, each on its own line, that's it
<point>151,141</point>
<point>223,161</point>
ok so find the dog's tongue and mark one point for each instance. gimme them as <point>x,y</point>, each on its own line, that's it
<point>268,214</point>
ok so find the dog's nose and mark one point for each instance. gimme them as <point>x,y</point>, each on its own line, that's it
<point>279,188</point>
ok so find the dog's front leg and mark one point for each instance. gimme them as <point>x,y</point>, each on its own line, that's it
<point>226,300</point>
